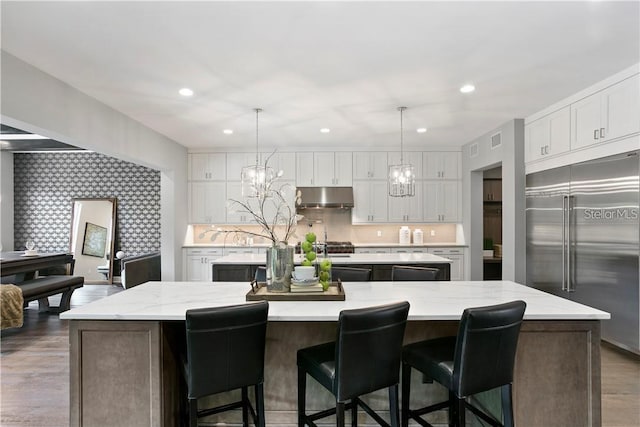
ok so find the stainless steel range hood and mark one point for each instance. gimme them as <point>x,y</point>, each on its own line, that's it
<point>326,197</point>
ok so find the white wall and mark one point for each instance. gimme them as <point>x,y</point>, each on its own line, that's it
<point>509,155</point>
<point>37,102</point>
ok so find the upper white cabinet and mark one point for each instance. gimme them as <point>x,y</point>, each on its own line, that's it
<point>207,166</point>
<point>324,169</point>
<point>406,209</point>
<point>207,202</point>
<point>370,202</point>
<point>235,163</point>
<point>333,169</point>
<point>281,161</point>
<point>548,135</point>
<point>441,165</point>
<point>611,113</point>
<point>441,201</point>
<point>370,165</point>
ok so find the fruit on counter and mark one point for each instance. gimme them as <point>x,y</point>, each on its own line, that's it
<point>324,276</point>
<point>310,256</point>
<point>325,284</point>
<point>305,262</point>
<point>325,265</point>
<point>306,246</point>
<point>310,237</point>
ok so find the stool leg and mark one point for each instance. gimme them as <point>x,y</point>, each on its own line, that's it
<point>193,412</point>
<point>507,405</point>
<point>461,411</point>
<point>406,387</point>
<point>339,414</point>
<point>453,409</point>
<point>302,390</point>
<point>260,404</point>
<point>245,408</point>
<point>394,413</point>
<point>354,412</point>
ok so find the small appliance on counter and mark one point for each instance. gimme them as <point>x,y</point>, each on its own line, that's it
<point>404,235</point>
<point>418,237</point>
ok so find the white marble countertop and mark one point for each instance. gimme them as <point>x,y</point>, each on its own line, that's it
<point>357,245</point>
<point>343,259</point>
<point>159,301</point>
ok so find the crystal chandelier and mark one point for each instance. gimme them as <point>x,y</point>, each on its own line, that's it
<point>402,178</point>
<point>257,177</point>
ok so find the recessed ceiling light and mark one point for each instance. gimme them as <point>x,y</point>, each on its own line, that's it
<point>185,91</point>
<point>227,131</point>
<point>325,130</point>
<point>421,130</point>
<point>468,88</point>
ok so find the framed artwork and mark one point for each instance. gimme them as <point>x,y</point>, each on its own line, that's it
<point>95,240</point>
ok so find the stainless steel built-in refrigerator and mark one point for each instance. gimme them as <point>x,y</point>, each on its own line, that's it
<point>582,239</point>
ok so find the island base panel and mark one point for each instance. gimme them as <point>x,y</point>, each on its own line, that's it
<point>557,373</point>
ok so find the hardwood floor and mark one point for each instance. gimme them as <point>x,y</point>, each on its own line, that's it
<point>34,371</point>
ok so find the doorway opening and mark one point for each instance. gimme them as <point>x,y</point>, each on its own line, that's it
<point>492,223</point>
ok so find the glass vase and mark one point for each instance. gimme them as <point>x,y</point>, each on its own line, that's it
<point>279,268</point>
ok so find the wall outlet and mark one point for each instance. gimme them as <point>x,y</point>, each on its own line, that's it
<point>379,233</point>
<point>433,233</point>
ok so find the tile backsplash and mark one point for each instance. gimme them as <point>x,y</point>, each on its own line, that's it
<point>338,227</point>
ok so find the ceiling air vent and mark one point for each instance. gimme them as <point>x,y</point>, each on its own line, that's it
<point>473,150</point>
<point>496,140</point>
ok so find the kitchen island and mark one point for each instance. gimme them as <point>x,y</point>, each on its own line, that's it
<point>124,368</point>
<point>241,267</point>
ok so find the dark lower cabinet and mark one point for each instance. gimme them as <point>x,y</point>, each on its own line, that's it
<point>379,272</point>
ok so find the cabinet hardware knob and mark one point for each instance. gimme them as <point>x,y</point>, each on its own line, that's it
<point>595,134</point>
<point>601,132</point>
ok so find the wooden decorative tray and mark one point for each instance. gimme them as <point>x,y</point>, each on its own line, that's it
<point>259,292</point>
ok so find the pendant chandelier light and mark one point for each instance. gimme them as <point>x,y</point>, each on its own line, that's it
<point>402,178</point>
<point>257,177</point>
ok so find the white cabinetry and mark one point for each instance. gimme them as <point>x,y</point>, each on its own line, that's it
<point>241,250</point>
<point>409,250</point>
<point>370,202</point>
<point>235,163</point>
<point>457,256</point>
<point>198,263</point>
<point>441,165</point>
<point>372,250</point>
<point>234,192</point>
<point>332,169</point>
<point>207,202</point>
<point>549,135</point>
<point>441,201</point>
<point>611,113</point>
<point>406,209</point>
<point>285,162</point>
<point>324,169</point>
<point>370,165</point>
<point>207,166</point>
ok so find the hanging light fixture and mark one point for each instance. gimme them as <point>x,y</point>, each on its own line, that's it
<point>256,178</point>
<point>402,178</point>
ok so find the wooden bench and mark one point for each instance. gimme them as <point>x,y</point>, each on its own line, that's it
<point>42,288</point>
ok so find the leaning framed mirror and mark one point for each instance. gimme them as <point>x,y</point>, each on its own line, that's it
<point>93,224</point>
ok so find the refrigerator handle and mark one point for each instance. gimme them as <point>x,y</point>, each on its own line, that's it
<point>565,199</point>
<point>570,225</point>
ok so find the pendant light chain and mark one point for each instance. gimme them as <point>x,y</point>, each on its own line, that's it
<point>257,110</point>
<point>401,109</point>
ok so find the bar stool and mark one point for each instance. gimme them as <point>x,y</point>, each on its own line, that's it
<point>480,358</point>
<point>408,273</point>
<point>364,358</point>
<point>351,274</point>
<point>225,351</point>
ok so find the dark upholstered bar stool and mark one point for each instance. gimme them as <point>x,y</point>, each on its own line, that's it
<point>351,274</point>
<point>407,273</point>
<point>480,358</point>
<point>364,358</point>
<point>225,351</point>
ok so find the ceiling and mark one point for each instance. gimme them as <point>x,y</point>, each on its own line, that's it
<point>311,65</point>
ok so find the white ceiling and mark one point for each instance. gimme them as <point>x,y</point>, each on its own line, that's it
<point>341,65</point>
